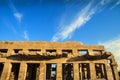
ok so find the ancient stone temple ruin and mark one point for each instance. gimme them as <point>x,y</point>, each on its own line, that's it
<point>56,61</point>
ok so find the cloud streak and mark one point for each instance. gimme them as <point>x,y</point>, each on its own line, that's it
<point>114,47</point>
<point>25,35</point>
<point>65,32</point>
<point>116,4</point>
<point>18,16</point>
<point>84,16</point>
<point>16,13</point>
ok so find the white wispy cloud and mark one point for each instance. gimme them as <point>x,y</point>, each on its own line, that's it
<point>114,47</point>
<point>84,16</point>
<point>15,11</point>
<point>25,35</point>
<point>18,16</point>
<point>116,4</point>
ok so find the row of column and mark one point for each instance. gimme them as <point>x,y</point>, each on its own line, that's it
<point>22,71</point>
<point>42,69</point>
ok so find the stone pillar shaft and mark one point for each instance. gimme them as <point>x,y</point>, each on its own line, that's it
<point>6,71</point>
<point>75,52</point>
<point>115,72</point>
<point>22,71</point>
<point>76,71</point>
<point>59,71</point>
<point>80,71</point>
<point>10,51</point>
<point>114,67</point>
<point>109,72</point>
<point>42,75</point>
<point>90,52</point>
<point>38,73</point>
<point>43,50</point>
<point>25,51</point>
<point>92,71</point>
<point>59,51</point>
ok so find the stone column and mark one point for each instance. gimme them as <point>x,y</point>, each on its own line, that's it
<point>80,71</point>
<point>90,52</point>
<point>43,50</point>
<point>22,71</point>
<point>42,75</point>
<point>38,73</point>
<point>6,71</point>
<point>116,75</point>
<point>92,71</point>
<point>102,67</point>
<point>76,71</point>
<point>25,51</point>
<point>114,67</point>
<point>10,51</point>
<point>109,71</point>
<point>59,51</point>
<point>59,71</point>
<point>75,52</point>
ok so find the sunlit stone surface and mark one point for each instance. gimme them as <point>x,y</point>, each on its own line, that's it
<point>56,61</point>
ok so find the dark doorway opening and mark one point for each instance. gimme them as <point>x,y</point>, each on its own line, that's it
<point>32,71</point>
<point>1,68</point>
<point>119,73</point>
<point>15,71</point>
<point>67,71</point>
<point>100,71</point>
<point>84,71</point>
<point>50,71</point>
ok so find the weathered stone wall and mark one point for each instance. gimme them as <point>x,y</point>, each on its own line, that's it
<point>56,61</point>
<point>43,46</point>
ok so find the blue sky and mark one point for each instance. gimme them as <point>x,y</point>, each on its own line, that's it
<point>87,21</point>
